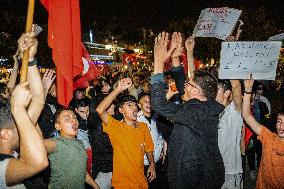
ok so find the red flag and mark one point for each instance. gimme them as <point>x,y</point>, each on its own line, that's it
<point>90,71</point>
<point>64,37</point>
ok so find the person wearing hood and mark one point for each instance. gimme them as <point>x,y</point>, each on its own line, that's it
<point>195,160</point>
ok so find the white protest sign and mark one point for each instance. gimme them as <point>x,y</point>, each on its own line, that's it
<point>216,22</point>
<point>240,59</point>
<point>279,37</point>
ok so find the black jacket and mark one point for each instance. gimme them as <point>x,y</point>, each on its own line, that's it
<point>195,161</point>
<point>46,120</point>
<point>101,146</point>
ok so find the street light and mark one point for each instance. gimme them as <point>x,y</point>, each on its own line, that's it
<point>108,47</point>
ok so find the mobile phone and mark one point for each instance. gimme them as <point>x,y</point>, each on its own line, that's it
<point>173,86</point>
<point>37,30</point>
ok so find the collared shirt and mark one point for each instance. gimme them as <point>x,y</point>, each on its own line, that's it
<point>156,137</point>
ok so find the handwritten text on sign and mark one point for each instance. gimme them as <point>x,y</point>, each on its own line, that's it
<point>216,22</point>
<point>240,59</point>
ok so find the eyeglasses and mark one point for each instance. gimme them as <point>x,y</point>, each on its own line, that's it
<point>187,82</point>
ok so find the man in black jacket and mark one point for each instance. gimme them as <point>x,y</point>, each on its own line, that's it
<point>195,161</point>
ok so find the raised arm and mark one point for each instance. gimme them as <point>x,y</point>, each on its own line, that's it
<point>47,81</point>
<point>158,98</point>
<point>237,94</point>
<point>177,69</point>
<point>34,110</point>
<point>123,84</point>
<point>161,54</point>
<point>33,156</point>
<point>248,117</point>
<point>189,45</point>
<point>176,42</point>
<point>14,74</point>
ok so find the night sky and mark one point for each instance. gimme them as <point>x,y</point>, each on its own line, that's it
<point>158,13</point>
<point>154,14</point>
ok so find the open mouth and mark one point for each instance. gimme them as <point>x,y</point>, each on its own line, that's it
<point>135,114</point>
<point>75,127</point>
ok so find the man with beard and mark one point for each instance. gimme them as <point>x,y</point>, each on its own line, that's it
<point>194,157</point>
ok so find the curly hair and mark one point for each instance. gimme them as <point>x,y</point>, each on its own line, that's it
<point>207,82</point>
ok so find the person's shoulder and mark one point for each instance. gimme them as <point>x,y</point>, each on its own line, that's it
<point>4,164</point>
<point>266,131</point>
<point>113,121</point>
<point>266,134</point>
<point>56,139</point>
<point>232,108</point>
<point>209,107</point>
<point>143,126</point>
<point>264,98</point>
<point>3,168</point>
<point>79,143</point>
<point>60,141</point>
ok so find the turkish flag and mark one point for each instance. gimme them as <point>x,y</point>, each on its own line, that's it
<point>91,71</point>
<point>64,38</point>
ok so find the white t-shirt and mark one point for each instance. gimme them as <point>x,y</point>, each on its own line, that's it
<point>3,168</point>
<point>229,139</point>
<point>156,137</point>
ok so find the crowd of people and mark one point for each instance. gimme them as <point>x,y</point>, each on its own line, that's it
<point>137,129</point>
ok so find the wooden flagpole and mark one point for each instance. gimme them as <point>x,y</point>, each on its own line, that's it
<point>29,24</point>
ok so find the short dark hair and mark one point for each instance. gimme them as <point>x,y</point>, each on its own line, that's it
<point>80,89</point>
<point>207,82</point>
<point>141,95</point>
<point>6,118</point>
<point>82,103</point>
<point>59,111</point>
<point>281,111</point>
<point>225,84</point>
<point>124,98</point>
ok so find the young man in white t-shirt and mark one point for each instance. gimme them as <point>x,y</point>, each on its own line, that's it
<point>145,116</point>
<point>229,132</point>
